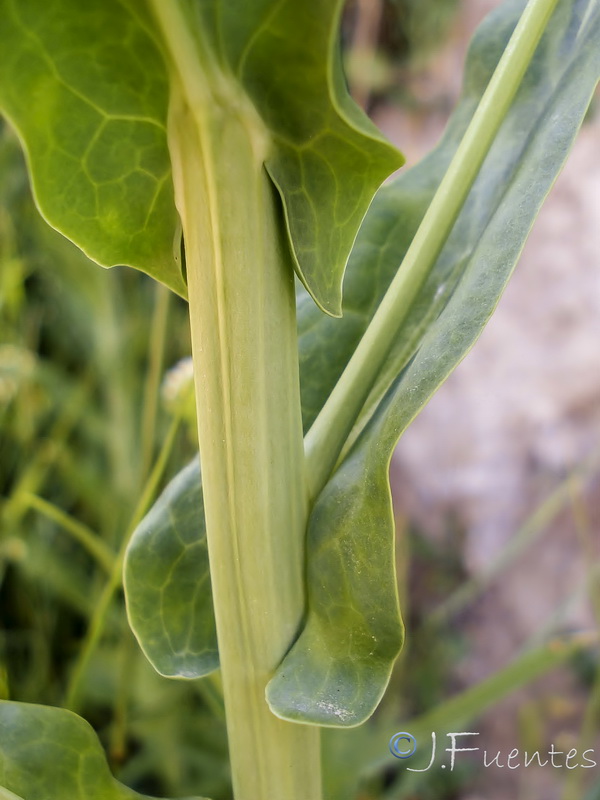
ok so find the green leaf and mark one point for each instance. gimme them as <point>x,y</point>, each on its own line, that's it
<point>328,159</point>
<point>339,668</point>
<point>167,582</point>
<point>328,677</point>
<point>52,754</point>
<point>85,86</point>
<point>323,154</point>
<point>326,344</point>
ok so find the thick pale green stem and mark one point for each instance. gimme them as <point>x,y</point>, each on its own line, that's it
<point>326,438</point>
<point>242,312</point>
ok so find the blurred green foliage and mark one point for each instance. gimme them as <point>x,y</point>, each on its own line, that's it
<point>411,29</point>
<point>384,39</point>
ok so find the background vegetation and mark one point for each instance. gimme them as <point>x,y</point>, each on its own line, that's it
<point>92,418</point>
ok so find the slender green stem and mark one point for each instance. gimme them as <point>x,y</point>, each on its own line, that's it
<point>527,534</point>
<point>99,619</point>
<point>80,532</point>
<point>153,481</point>
<point>586,536</point>
<point>325,439</point>
<point>117,748</point>
<point>156,354</point>
<point>574,780</point>
<point>562,614</point>
<point>31,480</point>
<point>242,315</point>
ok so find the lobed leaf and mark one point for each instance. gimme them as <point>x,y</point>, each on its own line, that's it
<point>85,86</point>
<point>167,582</point>
<point>52,754</point>
<point>327,677</point>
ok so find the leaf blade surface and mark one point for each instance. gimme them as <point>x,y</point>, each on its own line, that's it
<point>167,582</point>
<point>52,754</point>
<point>86,89</point>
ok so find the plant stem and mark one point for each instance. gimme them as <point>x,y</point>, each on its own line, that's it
<point>242,314</point>
<point>156,352</point>
<point>325,439</point>
<point>574,783</point>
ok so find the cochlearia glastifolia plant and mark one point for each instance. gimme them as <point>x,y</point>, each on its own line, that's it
<point>213,145</point>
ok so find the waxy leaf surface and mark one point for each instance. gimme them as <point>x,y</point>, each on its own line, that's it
<point>51,754</point>
<point>337,670</point>
<point>84,85</point>
<point>167,582</point>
